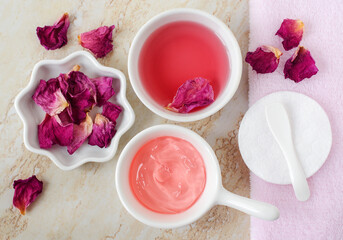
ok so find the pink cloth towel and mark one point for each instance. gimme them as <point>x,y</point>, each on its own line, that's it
<point>321,217</point>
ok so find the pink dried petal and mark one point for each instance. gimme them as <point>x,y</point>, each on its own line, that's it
<point>103,131</point>
<point>98,41</point>
<point>78,82</point>
<point>193,93</point>
<point>292,32</point>
<point>265,59</point>
<point>53,37</point>
<point>25,192</point>
<point>80,105</point>
<point>51,132</point>
<point>65,117</point>
<point>111,111</point>
<point>49,97</point>
<point>104,89</point>
<point>301,65</point>
<point>80,134</point>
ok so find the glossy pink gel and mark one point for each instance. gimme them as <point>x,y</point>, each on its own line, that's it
<point>167,175</point>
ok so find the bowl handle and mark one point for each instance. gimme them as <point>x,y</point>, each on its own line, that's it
<point>252,207</point>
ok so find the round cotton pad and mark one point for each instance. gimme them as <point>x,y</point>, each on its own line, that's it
<point>311,132</point>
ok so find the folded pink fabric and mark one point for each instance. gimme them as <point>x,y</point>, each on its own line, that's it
<point>321,217</point>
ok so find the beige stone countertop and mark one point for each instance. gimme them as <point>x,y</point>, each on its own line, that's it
<point>83,203</point>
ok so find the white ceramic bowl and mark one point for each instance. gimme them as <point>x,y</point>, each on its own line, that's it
<point>32,115</point>
<point>213,194</point>
<point>211,22</point>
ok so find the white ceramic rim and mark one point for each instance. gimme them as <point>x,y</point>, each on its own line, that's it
<point>235,61</point>
<point>118,135</point>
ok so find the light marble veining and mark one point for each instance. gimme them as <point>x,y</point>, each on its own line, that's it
<point>83,203</point>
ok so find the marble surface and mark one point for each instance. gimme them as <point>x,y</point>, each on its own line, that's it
<point>83,203</point>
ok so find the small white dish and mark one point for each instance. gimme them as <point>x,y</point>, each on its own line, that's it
<point>32,115</point>
<point>211,22</point>
<point>311,132</point>
<point>214,193</point>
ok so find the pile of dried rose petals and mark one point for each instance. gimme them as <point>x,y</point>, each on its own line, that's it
<point>196,92</point>
<point>67,101</point>
<point>301,65</point>
<point>25,192</point>
<point>98,41</point>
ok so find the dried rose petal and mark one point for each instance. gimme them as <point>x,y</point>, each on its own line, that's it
<point>80,134</point>
<point>98,41</point>
<point>104,89</point>
<point>292,32</point>
<point>193,93</point>
<point>50,132</point>
<point>65,117</point>
<point>301,65</point>
<point>82,95</point>
<point>49,97</point>
<point>25,192</point>
<point>265,59</point>
<point>103,131</point>
<point>53,37</point>
<point>111,111</point>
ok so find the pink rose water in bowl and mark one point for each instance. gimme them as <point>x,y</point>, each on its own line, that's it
<point>177,52</point>
<point>167,175</point>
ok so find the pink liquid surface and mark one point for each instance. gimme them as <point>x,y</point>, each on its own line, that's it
<point>167,175</point>
<point>177,52</point>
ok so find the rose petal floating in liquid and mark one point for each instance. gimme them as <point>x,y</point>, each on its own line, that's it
<point>51,132</point>
<point>193,93</point>
<point>301,65</point>
<point>265,59</point>
<point>111,111</point>
<point>104,89</point>
<point>25,192</point>
<point>103,131</point>
<point>80,134</point>
<point>55,36</point>
<point>292,32</point>
<point>49,97</point>
<point>98,41</point>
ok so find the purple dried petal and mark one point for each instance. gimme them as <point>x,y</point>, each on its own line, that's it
<point>104,89</point>
<point>80,105</point>
<point>51,132</point>
<point>103,131</point>
<point>111,111</point>
<point>25,192</point>
<point>265,59</point>
<point>193,93</point>
<point>292,32</point>
<point>49,97</point>
<point>53,37</point>
<point>301,65</point>
<point>65,117</point>
<point>80,134</point>
<point>78,82</point>
<point>98,41</point>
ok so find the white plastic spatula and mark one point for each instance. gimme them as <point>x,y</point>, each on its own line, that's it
<point>280,127</point>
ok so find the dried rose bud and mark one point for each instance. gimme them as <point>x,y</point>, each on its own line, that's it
<point>104,89</point>
<point>25,192</point>
<point>98,41</point>
<point>80,134</point>
<point>292,32</point>
<point>50,132</point>
<point>55,36</point>
<point>111,111</point>
<point>196,92</point>
<point>103,131</point>
<point>49,97</point>
<point>265,59</point>
<point>301,65</point>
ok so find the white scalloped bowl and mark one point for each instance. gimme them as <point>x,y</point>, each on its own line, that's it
<point>32,115</point>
